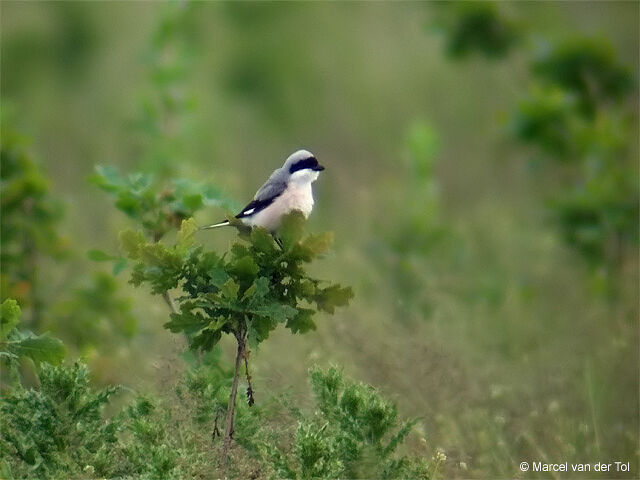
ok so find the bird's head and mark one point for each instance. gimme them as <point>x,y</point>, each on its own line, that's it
<point>303,167</point>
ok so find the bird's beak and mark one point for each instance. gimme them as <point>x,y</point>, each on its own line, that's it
<point>318,168</point>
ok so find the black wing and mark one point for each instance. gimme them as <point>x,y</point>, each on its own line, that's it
<point>272,189</point>
<point>256,205</point>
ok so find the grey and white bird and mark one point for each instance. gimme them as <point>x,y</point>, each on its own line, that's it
<point>288,188</point>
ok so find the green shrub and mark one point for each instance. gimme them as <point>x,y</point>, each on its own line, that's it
<point>546,120</point>
<point>55,429</point>
<point>156,208</point>
<point>578,118</point>
<point>354,433</point>
<point>475,27</point>
<point>60,431</point>
<point>86,311</point>
<point>16,345</point>
<point>587,67</point>
<point>29,225</point>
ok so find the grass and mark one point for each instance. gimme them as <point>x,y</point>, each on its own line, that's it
<point>497,337</point>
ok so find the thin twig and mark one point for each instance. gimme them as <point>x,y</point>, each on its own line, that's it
<point>228,428</point>
<point>169,301</point>
<point>216,430</point>
<point>250,399</point>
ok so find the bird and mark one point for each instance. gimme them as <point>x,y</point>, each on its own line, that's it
<point>288,188</point>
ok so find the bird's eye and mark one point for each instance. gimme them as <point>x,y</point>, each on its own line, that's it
<point>309,162</point>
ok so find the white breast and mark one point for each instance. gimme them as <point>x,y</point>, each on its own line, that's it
<point>295,197</point>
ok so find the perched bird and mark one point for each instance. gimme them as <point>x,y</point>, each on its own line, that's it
<point>288,188</point>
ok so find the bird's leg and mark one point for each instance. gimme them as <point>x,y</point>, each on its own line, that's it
<point>279,242</point>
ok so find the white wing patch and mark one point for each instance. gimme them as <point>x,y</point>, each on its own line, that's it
<point>248,212</point>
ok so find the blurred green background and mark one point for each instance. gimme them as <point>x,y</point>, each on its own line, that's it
<point>483,196</point>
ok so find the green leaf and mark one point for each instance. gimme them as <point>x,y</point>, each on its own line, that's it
<point>302,322</point>
<point>258,290</point>
<point>129,204</point>
<point>139,182</point>
<point>108,178</point>
<point>314,245</point>
<point>259,329</point>
<point>218,276</point>
<point>100,256</point>
<point>319,244</point>
<point>274,310</point>
<point>206,340</point>
<point>157,254</point>
<point>244,267</point>
<point>229,289</point>
<point>239,250</point>
<point>9,316</point>
<point>307,289</point>
<point>42,348</point>
<point>217,324</point>
<point>262,240</point>
<point>185,321</point>
<point>159,266</point>
<point>292,228</point>
<point>119,265</point>
<point>132,242</point>
<point>187,232</point>
<point>333,296</point>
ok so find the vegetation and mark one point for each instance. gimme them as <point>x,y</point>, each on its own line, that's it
<point>246,294</point>
<point>482,185</point>
<point>30,216</point>
<point>577,117</point>
<point>83,307</point>
<point>61,429</point>
<point>354,433</point>
<point>580,123</point>
<point>16,345</point>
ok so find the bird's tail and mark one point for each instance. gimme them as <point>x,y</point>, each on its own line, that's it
<point>215,225</point>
